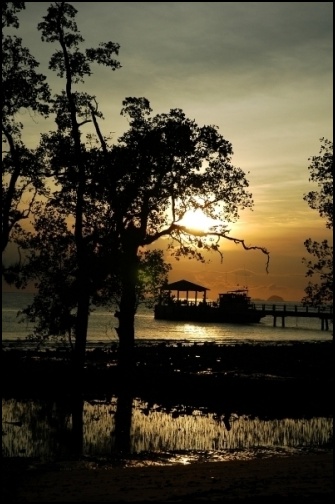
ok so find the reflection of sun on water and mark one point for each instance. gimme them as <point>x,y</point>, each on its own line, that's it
<point>193,330</point>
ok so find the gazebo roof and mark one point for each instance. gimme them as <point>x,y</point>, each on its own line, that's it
<point>184,286</point>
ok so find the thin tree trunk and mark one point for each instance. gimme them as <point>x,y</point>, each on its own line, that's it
<point>81,333</point>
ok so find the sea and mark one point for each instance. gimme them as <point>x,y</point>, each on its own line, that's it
<point>44,430</point>
<point>103,324</point>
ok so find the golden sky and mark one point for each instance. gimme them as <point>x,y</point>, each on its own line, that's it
<point>261,71</point>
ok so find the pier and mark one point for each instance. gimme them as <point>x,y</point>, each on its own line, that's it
<point>234,306</point>
<point>282,311</point>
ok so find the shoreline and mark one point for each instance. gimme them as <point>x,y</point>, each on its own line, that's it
<point>261,364</point>
<point>291,377</point>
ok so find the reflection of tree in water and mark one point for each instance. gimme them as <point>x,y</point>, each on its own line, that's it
<point>42,426</point>
<point>32,429</point>
<point>124,409</point>
<point>59,429</point>
<point>123,420</point>
<point>121,435</point>
<point>77,437</point>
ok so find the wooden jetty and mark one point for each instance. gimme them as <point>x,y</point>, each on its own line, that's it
<point>282,311</point>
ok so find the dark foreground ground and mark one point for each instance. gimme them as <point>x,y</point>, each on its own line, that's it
<point>303,479</point>
<point>271,380</point>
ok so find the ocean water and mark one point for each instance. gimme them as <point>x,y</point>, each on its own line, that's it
<point>102,324</point>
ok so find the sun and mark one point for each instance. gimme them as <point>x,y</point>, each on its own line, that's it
<point>197,220</point>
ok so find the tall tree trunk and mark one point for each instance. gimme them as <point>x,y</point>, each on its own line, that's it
<point>128,303</point>
<point>82,259</point>
<point>83,282</point>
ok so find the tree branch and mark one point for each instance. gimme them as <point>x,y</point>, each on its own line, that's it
<point>193,232</point>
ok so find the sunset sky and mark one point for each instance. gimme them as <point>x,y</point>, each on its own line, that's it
<point>261,72</point>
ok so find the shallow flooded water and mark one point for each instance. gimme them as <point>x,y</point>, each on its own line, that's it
<point>50,431</point>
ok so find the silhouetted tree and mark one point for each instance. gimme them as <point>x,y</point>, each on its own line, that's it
<point>321,267</point>
<point>22,89</point>
<point>51,264</point>
<point>162,167</point>
<point>113,202</point>
<point>74,109</point>
<point>73,269</point>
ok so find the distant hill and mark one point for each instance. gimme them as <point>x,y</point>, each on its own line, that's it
<point>275,298</point>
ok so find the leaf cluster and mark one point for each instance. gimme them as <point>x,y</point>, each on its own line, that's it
<point>321,172</point>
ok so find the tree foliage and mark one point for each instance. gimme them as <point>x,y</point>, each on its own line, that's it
<point>51,264</point>
<point>23,88</point>
<point>321,266</point>
<point>163,166</point>
<point>321,172</point>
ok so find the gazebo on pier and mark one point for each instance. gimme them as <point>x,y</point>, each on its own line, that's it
<point>185,286</point>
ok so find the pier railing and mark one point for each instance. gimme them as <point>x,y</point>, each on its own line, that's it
<point>277,310</point>
<point>325,314</point>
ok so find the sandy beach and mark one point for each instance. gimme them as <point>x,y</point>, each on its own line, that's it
<point>306,478</point>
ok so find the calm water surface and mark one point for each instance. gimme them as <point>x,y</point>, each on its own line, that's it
<point>102,325</point>
<point>45,430</point>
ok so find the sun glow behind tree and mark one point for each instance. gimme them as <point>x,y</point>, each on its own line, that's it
<point>197,220</point>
